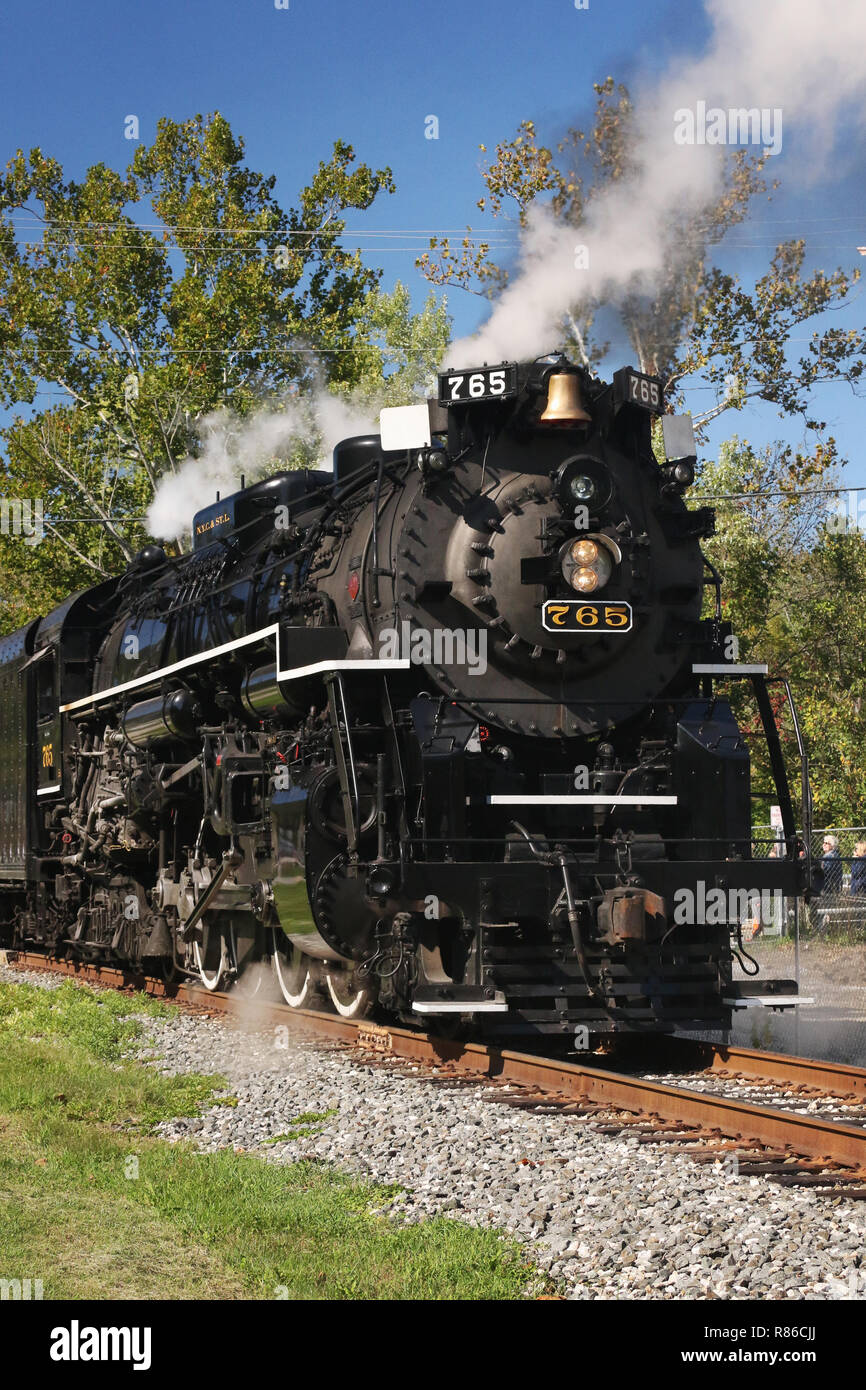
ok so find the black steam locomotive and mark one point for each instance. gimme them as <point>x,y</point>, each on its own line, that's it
<point>436,733</point>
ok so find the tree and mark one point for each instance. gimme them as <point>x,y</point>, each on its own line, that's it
<point>698,321</point>
<point>794,588</point>
<point>397,353</point>
<point>153,298</point>
<point>739,340</point>
<point>823,629</point>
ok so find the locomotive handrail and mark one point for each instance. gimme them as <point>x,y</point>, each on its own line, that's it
<point>780,775</point>
<point>345,756</point>
<point>805,784</point>
<point>757,671</point>
<point>576,701</point>
<point>716,581</point>
<point>591,841</point>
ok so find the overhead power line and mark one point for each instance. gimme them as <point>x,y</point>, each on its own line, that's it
<point>775,492</point>
<point>494,241</point>
<point>697,497</point>
<point>854,217</point>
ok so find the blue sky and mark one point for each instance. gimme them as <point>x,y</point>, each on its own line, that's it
<point>293,80</point>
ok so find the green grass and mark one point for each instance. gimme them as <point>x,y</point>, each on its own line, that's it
<point>304,1125</point>
<point>97,1207</point>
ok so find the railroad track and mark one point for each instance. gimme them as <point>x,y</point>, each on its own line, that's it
<point>803,1125</point>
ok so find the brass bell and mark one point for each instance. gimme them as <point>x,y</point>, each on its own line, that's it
<point>564,404</point>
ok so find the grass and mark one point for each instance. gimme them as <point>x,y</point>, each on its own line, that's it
<point>96,1206</point>
<point>304,1125</point>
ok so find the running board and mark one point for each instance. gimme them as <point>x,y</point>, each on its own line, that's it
<point>458,999</point>
<point>522,799</point>
<point>767,994</point>
<point>729,668</point>
<point>767,1001</point>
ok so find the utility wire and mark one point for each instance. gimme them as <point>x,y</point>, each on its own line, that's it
<point>698,497</point>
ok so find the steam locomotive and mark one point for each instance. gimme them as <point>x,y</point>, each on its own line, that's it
<point>441,732</point>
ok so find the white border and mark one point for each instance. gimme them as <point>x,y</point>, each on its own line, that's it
<point>99,695</point>
<point>582,800</point>
<point>294,673</point>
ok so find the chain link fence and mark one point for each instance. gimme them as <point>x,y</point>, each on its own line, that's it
<point>822,945</point>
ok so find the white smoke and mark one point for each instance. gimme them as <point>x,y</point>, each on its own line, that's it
<point>806,60</point>
<point>797,57</point>
<point>251,447</point>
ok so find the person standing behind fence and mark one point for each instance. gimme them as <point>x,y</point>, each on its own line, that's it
<point>857,886</point>
<point>831,863</point>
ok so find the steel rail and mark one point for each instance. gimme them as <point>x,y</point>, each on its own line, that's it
<point>830,1078</point>
<point>806,1135</point>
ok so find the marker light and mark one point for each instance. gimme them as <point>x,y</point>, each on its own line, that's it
<point>585,580</point>
<point>584,552</point>
<point>587,563</point>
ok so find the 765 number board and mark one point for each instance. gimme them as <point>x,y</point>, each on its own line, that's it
<point>483,384</point>
<point>584,615</point>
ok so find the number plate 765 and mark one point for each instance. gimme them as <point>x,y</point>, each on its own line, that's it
<point>580,615</point>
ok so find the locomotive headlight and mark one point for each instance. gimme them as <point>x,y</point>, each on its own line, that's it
<point>582,487</point>
<point>587,563</point>
<point>582,480</point>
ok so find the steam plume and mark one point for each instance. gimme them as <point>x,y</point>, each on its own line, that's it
<point>806,60</point>
<point>252,446</point>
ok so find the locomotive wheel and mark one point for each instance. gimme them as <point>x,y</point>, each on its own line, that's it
<point>213,957</point>
<point>350,999</point>
<point>168,971</point>
<point>291,972</point>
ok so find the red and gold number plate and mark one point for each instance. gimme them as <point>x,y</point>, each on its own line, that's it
<point>582,615</point>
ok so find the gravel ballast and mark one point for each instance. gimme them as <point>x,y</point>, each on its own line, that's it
<point>604,1215</point>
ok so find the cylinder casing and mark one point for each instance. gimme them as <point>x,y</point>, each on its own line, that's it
<point>261,696</point>
<point>162,717</point>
